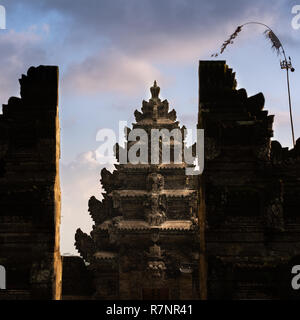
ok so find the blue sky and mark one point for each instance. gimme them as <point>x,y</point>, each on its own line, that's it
<point>109,52</point>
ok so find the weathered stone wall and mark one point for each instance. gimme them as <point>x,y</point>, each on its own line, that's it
<point>76,279</point>
<point>30,188</point>
<point>252,192</point>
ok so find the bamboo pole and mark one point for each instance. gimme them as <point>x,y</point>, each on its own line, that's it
<point>285,64</point>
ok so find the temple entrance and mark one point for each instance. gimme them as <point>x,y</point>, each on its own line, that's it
<point>155,294</point>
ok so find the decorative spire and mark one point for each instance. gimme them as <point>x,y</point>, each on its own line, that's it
<point>155,110</point>
<point>155,91</point>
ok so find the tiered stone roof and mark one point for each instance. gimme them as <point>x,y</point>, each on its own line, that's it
<point>142,201</point>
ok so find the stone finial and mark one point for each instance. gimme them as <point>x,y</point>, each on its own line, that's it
<point>155,89</point>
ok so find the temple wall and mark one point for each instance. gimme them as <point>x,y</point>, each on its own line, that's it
<point>30,188</point>
<point>248,201</point>
<point>252,192</point>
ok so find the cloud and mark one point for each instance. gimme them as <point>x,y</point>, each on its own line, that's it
<point>136,18</point>
<point>168,29</point>
<point>117,46</point>
<point>80,179</point>
<point>19,50</point>
<point>110,71</point>
<point>282,127</point>
<point>129,42</point>
<point>281,119</point>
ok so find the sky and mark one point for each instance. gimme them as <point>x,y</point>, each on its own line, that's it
<point>109,52</point>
